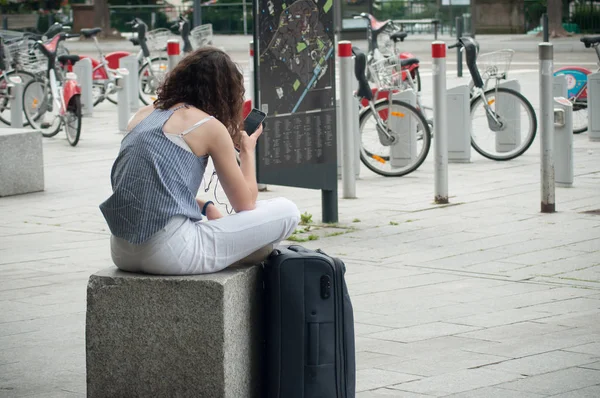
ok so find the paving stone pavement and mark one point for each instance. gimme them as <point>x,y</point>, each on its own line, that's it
<point>484,297</point>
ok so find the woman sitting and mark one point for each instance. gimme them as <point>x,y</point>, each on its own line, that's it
<point>154,215</point>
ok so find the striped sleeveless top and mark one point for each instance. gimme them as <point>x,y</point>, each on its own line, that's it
<point>153,179</point>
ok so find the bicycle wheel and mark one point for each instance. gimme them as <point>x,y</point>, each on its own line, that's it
<point>72,120</point>
<point>411,138</point>
<point>516,129</point>
<point>39,107</point>
<point>151,76</point>
<point>4,100</point>
<point>580,116</point>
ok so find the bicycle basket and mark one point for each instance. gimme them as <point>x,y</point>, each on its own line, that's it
<point>157,39</point>
<point>387,74</point>
<point>23,56</point>
<point>202,35</point>
<point>495,64</point>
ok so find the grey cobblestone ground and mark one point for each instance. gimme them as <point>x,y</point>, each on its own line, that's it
<point>485,297</point>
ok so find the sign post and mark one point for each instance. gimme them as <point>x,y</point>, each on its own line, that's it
<point>295,69</point>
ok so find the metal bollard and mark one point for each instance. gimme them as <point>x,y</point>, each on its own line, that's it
<point>346,65</point>
<point>83,70</point>
<point>440,121</point>
<point>459,125</point>
<point>546,56</point>
<point>560,87</point>
<point>130,63</point>
<point>510,138</point>
<point>15,93</point>
<point>459,33</point>
<point>593,92</point>
<point>123,98</point>
<point>563,140</point>
<point>173,53</point>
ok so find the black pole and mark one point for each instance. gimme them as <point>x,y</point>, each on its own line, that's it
<point>197,13</point>
<point>459,33</point>
<point>4,22</point>
<point>329,205</point>
<point>545,27</point>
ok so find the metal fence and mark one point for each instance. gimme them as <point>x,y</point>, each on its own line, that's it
<point>579,16</point>
<point>226,18</point>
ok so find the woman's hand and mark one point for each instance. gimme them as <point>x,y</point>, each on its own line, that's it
<point>248,142</point>
<point>212,212</point>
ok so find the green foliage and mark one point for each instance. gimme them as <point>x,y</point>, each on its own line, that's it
<point>305,218</point>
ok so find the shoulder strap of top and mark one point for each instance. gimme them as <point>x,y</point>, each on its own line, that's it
<point>200,123</point>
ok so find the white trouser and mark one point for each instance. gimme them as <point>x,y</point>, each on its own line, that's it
<point>186,247</point>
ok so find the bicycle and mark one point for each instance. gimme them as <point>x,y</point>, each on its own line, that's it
<point>380,35</point>
<point>395,137</point>
<point>577,86</point>
<point>153,69</point>
<point>54,101</point>
<point>201,35</point>
<point>497,105</point>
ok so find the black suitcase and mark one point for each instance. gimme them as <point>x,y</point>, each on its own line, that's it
<point>310,326</point>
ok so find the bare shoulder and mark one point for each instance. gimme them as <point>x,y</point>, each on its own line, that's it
<point>139,116</point>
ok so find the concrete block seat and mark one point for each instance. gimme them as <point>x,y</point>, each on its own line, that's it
<point>174,336</point>
<point>21,161</point>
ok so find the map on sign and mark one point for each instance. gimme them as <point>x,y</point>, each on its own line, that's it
<point>296,55</point>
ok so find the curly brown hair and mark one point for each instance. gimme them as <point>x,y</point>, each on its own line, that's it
<point>209,80</point>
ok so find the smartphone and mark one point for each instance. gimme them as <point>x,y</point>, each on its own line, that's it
<point>253,120</point>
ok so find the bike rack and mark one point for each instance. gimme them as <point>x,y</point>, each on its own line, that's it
<point>130,63</point>
<point>593,92</point>
<point>509,138</point>
<point>83,70</point>
<point>563,142</point>
<point>123,90</point>
<point>405,151</point>
<point>559,87</point>
<point>459,125</point>
<point>15,94</point>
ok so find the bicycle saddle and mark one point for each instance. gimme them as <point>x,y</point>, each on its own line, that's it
<point>377,26</point>
<point>398,36</point>
<point>409,61</point>
<point>90,32</point>
<point>63,59</point>
<point>360,66</point>
<point>135,41</point>
<point>589,40</point>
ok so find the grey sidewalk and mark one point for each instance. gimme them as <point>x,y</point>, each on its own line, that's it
<point>482,297</point>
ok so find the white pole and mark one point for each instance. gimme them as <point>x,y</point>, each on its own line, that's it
<point>123,99</point>
<point>16,98</point>
<point>130,63</point>
<point>440,121</point>
<point>546,56</point>
<point>346,65</point>
<point>173,53</point>
<point>83,70</point>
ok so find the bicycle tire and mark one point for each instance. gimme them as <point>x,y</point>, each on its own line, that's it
<point>364,153</point>
<point>142,86</point>
<point>4,101</point>
<point>31,114</point>
<point>74,110</point>
<point>533,126</point>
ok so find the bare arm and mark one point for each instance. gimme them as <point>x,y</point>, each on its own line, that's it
<point>239,182</point>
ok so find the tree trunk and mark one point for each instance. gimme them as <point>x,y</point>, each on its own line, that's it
<point>102,17</point>
<point>555,14</point>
